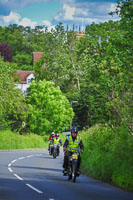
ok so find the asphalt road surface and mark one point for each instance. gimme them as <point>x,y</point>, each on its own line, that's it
<point>35,175</point>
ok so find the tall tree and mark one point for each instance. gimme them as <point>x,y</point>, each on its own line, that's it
<point>6,52</point>
<point>12,102</point>
<point>49,109</point>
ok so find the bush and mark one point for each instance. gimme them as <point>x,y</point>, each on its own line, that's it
<point>109,156</point>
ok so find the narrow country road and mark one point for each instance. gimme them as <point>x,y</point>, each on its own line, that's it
<point>35,175</point>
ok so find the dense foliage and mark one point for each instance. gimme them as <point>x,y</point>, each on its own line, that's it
<point>95,70</point>
<point>107,157</point>
<point>6,52</point>
<point>12,102</point>
<point>49,110</point>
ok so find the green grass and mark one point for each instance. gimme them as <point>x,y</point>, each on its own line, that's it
<point>9,140</point>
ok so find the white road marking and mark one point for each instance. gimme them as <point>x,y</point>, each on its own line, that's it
<point>29,156</point>
<point>21,158</point>
<point>18,177</point>
<point>10,169</point>
<point>9,165</point>
<point>14,161</point>
<point>34,188</point>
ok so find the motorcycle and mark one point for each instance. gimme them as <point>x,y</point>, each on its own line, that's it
<point>51,148</point>
<point>55,150</point>
<point>72,170</point>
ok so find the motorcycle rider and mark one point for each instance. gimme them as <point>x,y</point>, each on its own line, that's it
<point>57,140</point>
<point>52,136</point>
<point>51,142</point>
<point>72,141</point>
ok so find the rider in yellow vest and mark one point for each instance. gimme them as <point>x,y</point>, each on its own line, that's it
<point>50,149</point>
<point>72,143</point>
<point>57,141</point>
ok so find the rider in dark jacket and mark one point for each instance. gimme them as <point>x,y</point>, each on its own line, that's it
<point>52,136</point>
<point>73,141</point>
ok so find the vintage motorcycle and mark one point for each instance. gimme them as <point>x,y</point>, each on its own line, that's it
<point>72,170</point>
<point>51,148</point>
<point>55,150</point>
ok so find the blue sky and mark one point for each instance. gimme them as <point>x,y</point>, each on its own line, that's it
<point>51,12</point>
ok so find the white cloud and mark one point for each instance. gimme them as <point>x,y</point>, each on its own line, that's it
<point>12,18</point>
<point>86,11</point>
<point>46,22</point>
<point>102,8</point>
<point>15,18</point>
<point>27,22</point>
<point>69,12</point>
<point>112,7</point>
<point>72,12</point>
<point>66,13</point>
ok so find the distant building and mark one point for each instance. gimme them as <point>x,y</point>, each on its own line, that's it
<point>26,77</point>
<point>80,35</point>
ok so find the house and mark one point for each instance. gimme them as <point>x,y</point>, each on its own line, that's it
<point>26,77</point>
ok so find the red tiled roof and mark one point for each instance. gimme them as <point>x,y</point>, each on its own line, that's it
<point>23,74</point>
<point>37,56</point>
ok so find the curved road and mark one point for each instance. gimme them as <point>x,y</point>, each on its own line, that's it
<point>34,175</point>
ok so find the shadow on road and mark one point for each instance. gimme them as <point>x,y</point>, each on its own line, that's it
<point>38,168</point>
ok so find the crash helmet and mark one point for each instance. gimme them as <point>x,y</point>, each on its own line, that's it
<point>57,134</point>
<point>74,129</point>
<point>53,134</point>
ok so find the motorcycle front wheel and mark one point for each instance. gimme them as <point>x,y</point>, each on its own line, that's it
<point>74,171</point>
<point>54,154</point>
<point>69,171</point>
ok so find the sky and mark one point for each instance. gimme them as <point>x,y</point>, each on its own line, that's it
<point>51,12</point>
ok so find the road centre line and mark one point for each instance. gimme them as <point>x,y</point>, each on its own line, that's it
<point>14,161</point>
<point>21,158</point>
<point>18,177</point>
<point>33,188</point>
<point>9,165</point>
<point>10,169</point>
<point>29,156</point>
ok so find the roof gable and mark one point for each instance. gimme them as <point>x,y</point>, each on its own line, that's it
<point>24,74</point>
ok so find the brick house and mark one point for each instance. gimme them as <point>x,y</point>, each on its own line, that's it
<point>26,77</point>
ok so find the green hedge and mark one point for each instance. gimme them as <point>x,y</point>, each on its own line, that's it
<point>108,156</point>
